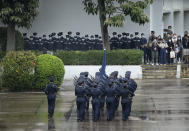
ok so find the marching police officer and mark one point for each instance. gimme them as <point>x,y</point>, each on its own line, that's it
<point>125,101</point>
<point>132,86</point>
<point>96,93</point>
<point>110,100</point>
<point>116,83</point>
<point>51,90</point>
<point>80,92</point>
<point>101,86</point>
<point>109,91</point>
<point>87,84</point>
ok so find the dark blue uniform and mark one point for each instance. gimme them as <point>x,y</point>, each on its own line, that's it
<point>95,93</point>
<point>117,96</point>
<point>143,43</point>
<point>101,86</point>
<point>136,42</point>
<point>116,85</point>
<point>51,91</point>
<point>132,86</point>
<point>88,85</point>
<point>102,97</point>
<point>110,92</point>
<point>125,102</point>
<point>114,43</point>
<point>80,92</point>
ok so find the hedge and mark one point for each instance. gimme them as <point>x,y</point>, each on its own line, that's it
<point>46,66</point>
<point>3,39</point>
<point>94,57</point>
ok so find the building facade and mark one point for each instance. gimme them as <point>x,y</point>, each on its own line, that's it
<point>69,15</point>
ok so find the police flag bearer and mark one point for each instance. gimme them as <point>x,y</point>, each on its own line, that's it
<point>51,90</point>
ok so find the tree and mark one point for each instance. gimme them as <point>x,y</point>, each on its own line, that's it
<point>113,12</point>
<point>17,13</point>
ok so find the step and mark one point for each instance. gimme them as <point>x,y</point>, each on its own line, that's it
<point>159,74</point>
<point>159,65</point>
<point>159,68</point>
<point>158,71</point>
<point>159,77</point>
<point>154,77</point>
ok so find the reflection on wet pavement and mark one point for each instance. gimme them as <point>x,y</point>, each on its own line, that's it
<point>159,105</point>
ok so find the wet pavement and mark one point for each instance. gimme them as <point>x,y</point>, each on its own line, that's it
<point>159,105</point>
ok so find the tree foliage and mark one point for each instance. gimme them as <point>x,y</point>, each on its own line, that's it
<point>116,10</point>
<point>18,12</point>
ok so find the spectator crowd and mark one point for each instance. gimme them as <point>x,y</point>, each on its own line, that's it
<point>166,50</point>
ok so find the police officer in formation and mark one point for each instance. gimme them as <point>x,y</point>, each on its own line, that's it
<point>57,41</point>
<point>51,90</point>
<point>132,88</point>
<point>102,91</point>
<point>136,41</point>
<point>87,85</point>
<point>114,41</point>
<point>125,100</point>
<point>125,41</point>
<point>81,92</point>
<point>95,92</point>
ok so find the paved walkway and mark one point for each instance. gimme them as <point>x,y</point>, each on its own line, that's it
<point>159,105</point>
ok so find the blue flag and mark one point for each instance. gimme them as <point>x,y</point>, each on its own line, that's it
<point>103,68</point>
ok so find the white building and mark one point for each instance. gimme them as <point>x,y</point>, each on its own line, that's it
<point>69,15</point>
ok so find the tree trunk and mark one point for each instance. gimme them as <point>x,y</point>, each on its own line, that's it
<point>104,28</point>
<point>11,38</point>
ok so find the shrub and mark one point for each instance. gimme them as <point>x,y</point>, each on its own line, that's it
<point>18,70</point>
<point>2,54</point>
<point>94,57</point>
<point>47,66</point>
<point>3,39</point>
